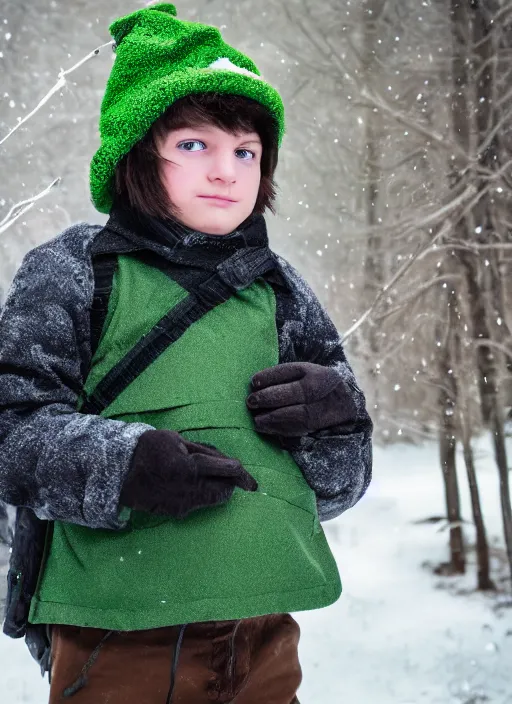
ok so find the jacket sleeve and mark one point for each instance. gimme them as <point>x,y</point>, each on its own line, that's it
<point>337,462</point>
<point>62,464</point>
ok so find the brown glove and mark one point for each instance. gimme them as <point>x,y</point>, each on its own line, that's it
<point>297,398</point>
<point>172,476</point>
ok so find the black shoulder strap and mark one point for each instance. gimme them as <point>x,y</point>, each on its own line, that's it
<point>236,272</point>
<point>104,266</point>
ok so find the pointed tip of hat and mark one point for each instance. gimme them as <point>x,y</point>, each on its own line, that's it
<point>162,6</point>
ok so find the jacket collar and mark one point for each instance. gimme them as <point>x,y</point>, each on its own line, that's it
<point>128,230</point>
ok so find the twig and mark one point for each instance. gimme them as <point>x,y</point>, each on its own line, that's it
<point>417,293</point>
<point>498,17</point>
<point>58,86</point>
<point>393,350</point>
<point>405,424</point>
<point>24,206</point>
<point>397,276</point>
<point>469,191</point>
<point>474,247</point>
<point>408,223</point>
<point>379,102</point>
<point>432,218</point>
<point>489,173</point>
<point>485,342</point>
<point>492,134</point>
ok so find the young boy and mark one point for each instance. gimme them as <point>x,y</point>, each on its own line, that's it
<point>185,451</point>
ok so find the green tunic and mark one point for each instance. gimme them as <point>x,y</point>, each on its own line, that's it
<point>262,552</point>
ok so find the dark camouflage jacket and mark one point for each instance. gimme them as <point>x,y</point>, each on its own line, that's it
<point>70,466</point>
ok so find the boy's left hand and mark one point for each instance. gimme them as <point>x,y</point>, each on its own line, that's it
<point>297,398</point>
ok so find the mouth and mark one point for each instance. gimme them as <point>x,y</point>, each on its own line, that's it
<point>221,199</point>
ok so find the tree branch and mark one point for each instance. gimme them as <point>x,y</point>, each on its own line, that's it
<point>58,86</point>
<point>394,279</point>
<point>417,293</point>
<point>378,102</point>
<point>23,206</point>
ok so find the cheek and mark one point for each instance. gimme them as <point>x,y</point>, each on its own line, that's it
<point>253,179</point>
<point>175,184</point>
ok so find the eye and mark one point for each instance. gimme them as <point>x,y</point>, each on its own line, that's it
<point>186,145</point>
<point>247,151</point>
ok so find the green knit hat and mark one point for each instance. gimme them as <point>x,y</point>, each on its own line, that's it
<point>160,59</point>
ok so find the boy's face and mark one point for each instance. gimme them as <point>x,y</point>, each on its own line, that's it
<point>201,162</point>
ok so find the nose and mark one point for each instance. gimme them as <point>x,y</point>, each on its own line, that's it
<point>223,167</point>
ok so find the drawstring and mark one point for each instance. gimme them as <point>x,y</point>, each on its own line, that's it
<point>232,653</point>
<point>81,680</point>
<point>175,663</point>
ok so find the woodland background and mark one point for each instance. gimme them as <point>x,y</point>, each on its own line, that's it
<point>395,181</point>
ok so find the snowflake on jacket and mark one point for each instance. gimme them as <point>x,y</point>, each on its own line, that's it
<point>70,466</point>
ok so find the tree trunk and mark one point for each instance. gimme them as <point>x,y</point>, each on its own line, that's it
<point>490,362</point>
<point>370,173</point>
<point>470,28</point>
<point>500,454</point>
<point>448,446</point>
<point>373,264</point>
<point>484,580</point>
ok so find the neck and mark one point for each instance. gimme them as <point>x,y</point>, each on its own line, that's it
<point>251,232</point>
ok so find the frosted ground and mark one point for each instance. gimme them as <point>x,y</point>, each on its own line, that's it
<point>399,634</point>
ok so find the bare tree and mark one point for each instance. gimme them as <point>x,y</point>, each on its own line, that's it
<point>448,436</point>
<point>434,133</point>
<point>474,113</point>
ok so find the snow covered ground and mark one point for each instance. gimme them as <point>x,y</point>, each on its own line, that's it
<point>399,634</point>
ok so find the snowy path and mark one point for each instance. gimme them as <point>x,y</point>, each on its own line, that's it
<point>393,637</point>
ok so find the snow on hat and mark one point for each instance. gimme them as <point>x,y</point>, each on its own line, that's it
<point>160,59</point>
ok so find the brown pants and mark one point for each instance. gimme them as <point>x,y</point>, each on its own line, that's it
<point>252,661</point>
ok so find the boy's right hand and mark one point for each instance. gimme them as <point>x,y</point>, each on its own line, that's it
<point>172,476</point>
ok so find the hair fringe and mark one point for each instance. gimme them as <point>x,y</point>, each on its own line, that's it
<point>137,180</point>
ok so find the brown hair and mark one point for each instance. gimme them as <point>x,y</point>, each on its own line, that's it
<point>137,181</point>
